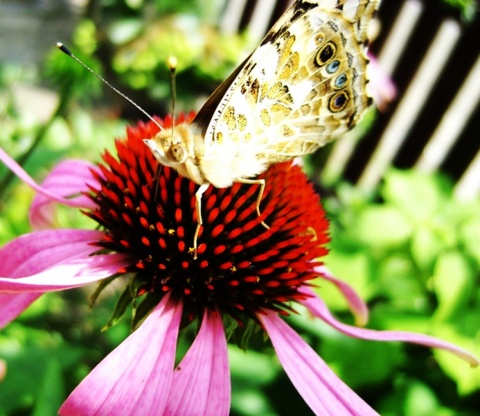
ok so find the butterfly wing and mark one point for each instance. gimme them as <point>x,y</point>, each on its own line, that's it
<point>204,116</point>
<point>304,85</point>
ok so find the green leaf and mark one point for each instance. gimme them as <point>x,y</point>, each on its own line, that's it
<point>420,400</point>
<point>355,268</point>
<point>453,281</point>
<point>58,136</point>
<point>400,281</point>
<point>469,236</point>
<point>382,227</point>
<point>51,393</point>
<point>361,362</point>
<point>425,247</point>
<point>125,30</point>
<point>466,378</point>
<point>468,8</point>
<point>257,368</point>
<point>29,354</point>
<point>420,196</point>
<point>390,317</point>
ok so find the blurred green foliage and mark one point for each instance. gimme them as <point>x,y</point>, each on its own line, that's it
<point>468,8</point>
<point>413,255</point>
<point>412,252</point>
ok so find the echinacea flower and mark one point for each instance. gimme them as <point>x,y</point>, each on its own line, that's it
<point>244,272</point>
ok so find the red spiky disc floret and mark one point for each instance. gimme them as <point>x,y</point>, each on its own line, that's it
<point>242,266</point>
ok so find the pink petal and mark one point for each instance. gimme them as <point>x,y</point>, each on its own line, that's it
<point>319,386</point>
<point>201,382</point>
<point>67,179</point>
<point>68,275</point>
<point>3,370</point>
<point>37,251</point>
<point>318,308</point>
<point>34,253</point>
<point>20,172</point>
<point>13,305</point>
<point>136,377</point>
<point>54,260</point>
<point>356,304</point>
<point>383,89</point>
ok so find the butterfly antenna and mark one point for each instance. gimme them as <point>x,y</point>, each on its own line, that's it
<point>67,51</point>
<point>172,66</point>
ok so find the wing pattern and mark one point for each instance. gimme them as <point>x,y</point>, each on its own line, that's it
<point>305,85</point>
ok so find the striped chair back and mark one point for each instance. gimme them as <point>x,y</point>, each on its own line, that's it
<point>434,122</point>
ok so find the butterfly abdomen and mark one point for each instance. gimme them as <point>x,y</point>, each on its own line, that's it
<point>230,161</point>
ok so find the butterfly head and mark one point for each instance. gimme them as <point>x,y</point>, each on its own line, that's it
<point>178,150</point>
<point>169,150</point>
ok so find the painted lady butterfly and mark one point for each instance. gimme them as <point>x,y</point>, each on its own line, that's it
<point>304,86</point>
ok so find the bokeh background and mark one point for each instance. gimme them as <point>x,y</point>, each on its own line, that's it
<point>405,224</point>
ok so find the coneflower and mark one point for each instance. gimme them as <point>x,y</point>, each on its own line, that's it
<point>243,273</point>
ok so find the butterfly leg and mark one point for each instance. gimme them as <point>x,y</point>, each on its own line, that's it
<point>157,179</point>
<point>260,182</point>
<point>198,208</point>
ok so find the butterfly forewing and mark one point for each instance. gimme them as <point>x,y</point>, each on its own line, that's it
<point>304,86</point>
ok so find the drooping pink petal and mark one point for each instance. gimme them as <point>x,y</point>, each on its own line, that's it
<point>319,386</point>
<point>20,172</point>
<point>49,260</point>
<point>34,253</point>
<point>356,304</point>
<point>67,179</point>
<point>201,382</point>
<point>12,305</point>
<point>74,273</point>
<point>37,251</point>
<point>134,379</point>
<point>316,306</point>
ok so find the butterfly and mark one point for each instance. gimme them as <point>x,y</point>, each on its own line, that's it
<point>305,85</point>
